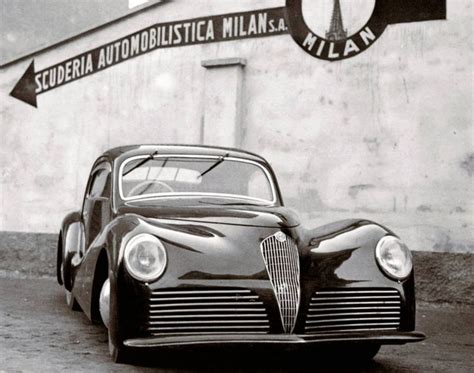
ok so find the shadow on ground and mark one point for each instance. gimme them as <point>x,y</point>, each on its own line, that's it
<point>255,360</point>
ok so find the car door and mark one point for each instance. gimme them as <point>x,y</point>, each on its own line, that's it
<point>96,210</point>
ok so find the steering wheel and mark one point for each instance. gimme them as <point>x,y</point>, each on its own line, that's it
<point>136,188</point>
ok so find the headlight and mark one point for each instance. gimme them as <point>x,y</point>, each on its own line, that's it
<point>394,257</point>
<point>145,257</point>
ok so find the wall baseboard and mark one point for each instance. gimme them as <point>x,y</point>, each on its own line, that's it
<point>440,277</point>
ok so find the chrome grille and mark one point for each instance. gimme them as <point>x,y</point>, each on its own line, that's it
<point>206,311</point>
<point>282,261</point>
<point>344,310</point>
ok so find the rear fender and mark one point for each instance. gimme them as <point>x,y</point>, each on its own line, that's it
<point>70,248</point>
<point>71,218</point>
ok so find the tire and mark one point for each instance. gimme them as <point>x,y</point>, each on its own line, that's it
<point>71,301</point>
<point>119,354</point>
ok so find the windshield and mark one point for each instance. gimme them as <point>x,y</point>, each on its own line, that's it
<point>222,177</point>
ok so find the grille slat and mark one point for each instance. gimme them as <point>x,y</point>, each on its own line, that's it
<point>367,313</point>
<point>207,328</point>
<point>176,299</point>
<point>167,305</point>
<point>204,310</point>
<point>353,310</point>
<point>281,258</point>
<point>335,309</point>
<point>361,298</point>
<point>162,317</point>
<point>156,294</point>
<point>338,321</point>
<point>352,329</point>
<point>204,322</point>
<point>355,303</point>
<point>191,311</point>
<point>353,324</point>
<point>357,292</point>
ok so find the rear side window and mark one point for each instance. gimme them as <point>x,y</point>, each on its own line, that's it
<point>99,184</point>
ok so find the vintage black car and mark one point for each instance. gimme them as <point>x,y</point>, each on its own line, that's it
<point>191,245</point>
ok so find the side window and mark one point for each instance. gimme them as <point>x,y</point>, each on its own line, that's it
<point>99,184</point>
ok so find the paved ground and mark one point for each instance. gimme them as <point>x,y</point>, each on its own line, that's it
<point>39,334</point>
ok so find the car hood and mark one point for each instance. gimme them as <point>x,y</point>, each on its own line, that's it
<point>255,216</point>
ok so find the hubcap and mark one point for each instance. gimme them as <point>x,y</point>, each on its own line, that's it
<point>104,303</point>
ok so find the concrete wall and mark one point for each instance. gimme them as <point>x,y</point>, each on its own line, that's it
<point>387,135</point>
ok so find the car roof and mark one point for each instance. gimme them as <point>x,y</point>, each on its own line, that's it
<point>132,150</point>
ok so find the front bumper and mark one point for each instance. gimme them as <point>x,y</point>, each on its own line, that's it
<point>275,339</point>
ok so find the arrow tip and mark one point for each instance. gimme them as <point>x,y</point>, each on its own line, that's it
<point>25,89</point>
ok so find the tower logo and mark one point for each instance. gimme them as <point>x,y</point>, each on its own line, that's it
<point>336,29</point>
<point>365,20</point>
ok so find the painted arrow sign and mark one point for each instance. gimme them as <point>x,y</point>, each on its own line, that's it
<point>259,23</point>
<point>226,27</point>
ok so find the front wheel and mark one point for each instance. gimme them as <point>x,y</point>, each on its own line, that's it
<point>119,354</point>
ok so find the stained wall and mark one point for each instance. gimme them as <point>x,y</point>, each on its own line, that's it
<point>387,135</point>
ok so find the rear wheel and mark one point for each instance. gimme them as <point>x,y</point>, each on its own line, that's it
<point>70,300</point>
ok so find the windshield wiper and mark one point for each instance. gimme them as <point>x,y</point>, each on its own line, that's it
<point>232,204</point>
<point>221,159</point>
<point>147,159</point>
<point>243,204</point>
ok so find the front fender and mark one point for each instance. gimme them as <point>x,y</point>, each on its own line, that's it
<point>88,272</point>
<point>119,231</point>
<point>343,252</point>
<point>342,255</point>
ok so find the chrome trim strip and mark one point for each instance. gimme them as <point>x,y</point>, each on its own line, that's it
<point>180,195</point>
